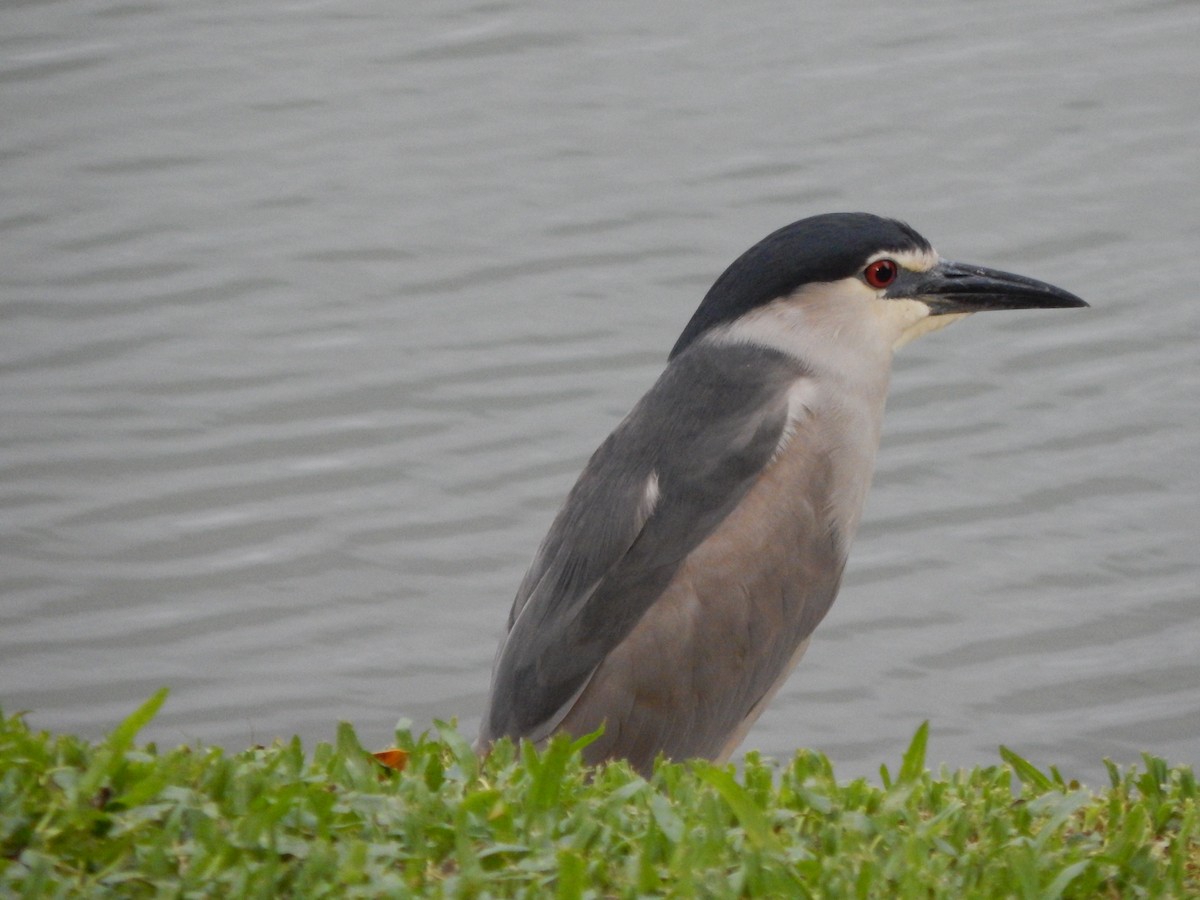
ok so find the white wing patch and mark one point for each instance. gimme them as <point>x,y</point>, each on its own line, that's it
<point>801,401</point>
<point>649,501</point>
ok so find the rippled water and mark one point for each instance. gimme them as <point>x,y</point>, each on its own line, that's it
<point>311,314</point>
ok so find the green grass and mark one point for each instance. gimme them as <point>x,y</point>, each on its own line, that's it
<point>112,818</point>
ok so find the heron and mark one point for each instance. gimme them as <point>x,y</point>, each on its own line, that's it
<point>682,579</point>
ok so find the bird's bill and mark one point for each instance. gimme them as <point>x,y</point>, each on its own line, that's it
<point>951,287</point>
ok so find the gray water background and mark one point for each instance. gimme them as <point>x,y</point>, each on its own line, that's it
<point>312,312</point>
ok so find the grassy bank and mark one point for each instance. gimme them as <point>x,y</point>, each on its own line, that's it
<point>115,818</point>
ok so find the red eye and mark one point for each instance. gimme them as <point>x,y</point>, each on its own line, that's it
<point>881,273</point>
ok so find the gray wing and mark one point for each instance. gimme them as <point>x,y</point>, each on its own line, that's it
<point>703,435</point>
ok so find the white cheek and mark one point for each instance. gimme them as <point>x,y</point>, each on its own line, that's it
<point>896,318</point>
<point>925,326</point>
<point>902,321</point>
<point>818,320</point>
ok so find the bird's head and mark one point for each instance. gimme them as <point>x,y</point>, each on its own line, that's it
<point>838,273</point>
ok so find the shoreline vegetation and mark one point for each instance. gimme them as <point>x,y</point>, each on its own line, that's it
<point>428,818</point>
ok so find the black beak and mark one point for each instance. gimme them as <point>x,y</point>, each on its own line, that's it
<point>951,287</point>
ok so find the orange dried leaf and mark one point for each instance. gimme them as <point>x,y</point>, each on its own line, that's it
<point>393,758</point>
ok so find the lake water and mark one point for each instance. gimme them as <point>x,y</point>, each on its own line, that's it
<point>312,312</point>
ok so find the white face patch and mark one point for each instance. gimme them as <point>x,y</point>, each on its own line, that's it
<point>909,319</point>
<point>925,326</point>
<point>913,260</point>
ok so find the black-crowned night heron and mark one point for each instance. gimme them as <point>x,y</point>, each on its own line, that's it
<point>681,581</point>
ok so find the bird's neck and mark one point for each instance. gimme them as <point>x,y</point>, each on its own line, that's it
<point>847,350</point>
<point>848,359</point>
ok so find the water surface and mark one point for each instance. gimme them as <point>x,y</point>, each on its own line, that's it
<point>311,313</point>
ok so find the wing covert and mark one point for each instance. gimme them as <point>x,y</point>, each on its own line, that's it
<point>694,445</point>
